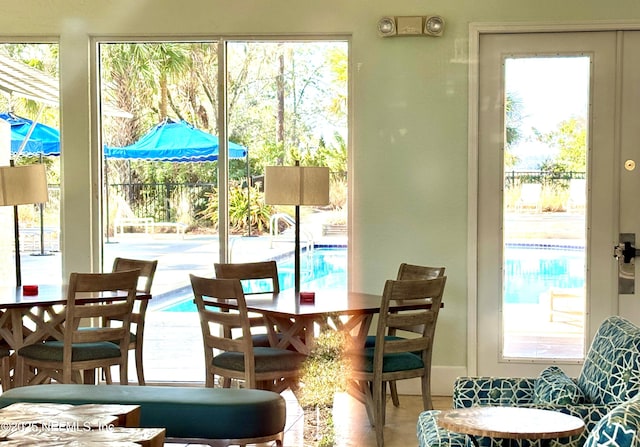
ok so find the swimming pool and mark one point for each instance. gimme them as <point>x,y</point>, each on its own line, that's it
<point>532,270</point>
<point>529,272</point>
<point>326,268</point>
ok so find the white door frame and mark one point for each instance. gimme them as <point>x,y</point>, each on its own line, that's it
<point>475,31</point>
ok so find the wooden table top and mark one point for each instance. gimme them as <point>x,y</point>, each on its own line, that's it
<point>510,422</point>
<point>12,297</point>
<point>287,303</point>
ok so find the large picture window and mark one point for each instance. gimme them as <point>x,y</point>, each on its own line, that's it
<point>168,193</point>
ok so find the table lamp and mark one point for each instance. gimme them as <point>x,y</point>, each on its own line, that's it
<point>298,186</point>
<point>20,185</point>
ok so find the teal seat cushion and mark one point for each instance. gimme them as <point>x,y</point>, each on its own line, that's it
<point>553,386</point>
<point>52,351</point>
<point>186,412</point>
<point>267,359</point>
<point>401,361</point>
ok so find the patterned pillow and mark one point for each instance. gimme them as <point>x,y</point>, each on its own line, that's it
<point>555,387</point>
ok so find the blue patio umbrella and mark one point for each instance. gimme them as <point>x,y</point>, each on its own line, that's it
<point>176,141</point>
<point>44,140</point>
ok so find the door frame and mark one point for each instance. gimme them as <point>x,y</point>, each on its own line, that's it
<point>475,31</point>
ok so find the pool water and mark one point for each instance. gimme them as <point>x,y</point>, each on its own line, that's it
<point>531,271</point>
<point>326,268</point>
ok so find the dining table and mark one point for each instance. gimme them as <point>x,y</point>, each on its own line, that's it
<point>30,318</point>
<point>294,322</point>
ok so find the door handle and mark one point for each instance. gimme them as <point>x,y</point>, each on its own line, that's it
<point>626,251</point>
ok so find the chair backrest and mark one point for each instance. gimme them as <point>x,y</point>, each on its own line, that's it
<point>410,271</point>
<point>213,318</point>
<point>611,370</point>
<point>147,271</point>
<point>123,284</point>
<point>425,295</point>
<point>251,271</point>
<point>145,281</point>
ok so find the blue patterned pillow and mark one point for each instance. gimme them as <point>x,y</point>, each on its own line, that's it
<point>555,387</point>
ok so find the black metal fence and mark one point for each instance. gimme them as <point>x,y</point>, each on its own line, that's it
<point>546,178</point>
<point>165,202</point>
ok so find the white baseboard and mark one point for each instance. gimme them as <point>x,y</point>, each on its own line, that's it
<point>442,378</point>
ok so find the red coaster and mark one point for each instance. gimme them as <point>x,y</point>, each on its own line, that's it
<point>307,297</point>
<point>29,290</point>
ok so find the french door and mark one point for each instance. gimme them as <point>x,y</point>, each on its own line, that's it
<point>557,147</point>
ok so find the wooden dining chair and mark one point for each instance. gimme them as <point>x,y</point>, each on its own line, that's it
<point>236,358</point>
<point>398,358</point>
<point>256,278</point>
<point>138,315</point>
<point>406,272</point>
<point>85,350</point>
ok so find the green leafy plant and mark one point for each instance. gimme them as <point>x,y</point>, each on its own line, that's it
<point>257,214</point>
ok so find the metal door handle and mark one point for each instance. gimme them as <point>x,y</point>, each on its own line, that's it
<point>626,251</point>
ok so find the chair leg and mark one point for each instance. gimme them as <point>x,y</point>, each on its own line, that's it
<point>394,393</point>
<point>379,394</point>
<point>88,377</point>
<point>139,367</point>
<point>427,403</point>
<point>107,375</point>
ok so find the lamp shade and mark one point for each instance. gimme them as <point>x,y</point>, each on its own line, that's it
<point>21,185</point>
<point>296,185</point>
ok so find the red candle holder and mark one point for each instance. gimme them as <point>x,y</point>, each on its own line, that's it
<point>307,297</point>
<point>29,290</point>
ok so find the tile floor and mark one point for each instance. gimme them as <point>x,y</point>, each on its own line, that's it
<point>352,425</point>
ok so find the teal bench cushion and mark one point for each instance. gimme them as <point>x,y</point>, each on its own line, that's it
<point>186,412</point>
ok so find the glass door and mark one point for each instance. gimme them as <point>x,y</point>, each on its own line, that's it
<point>545,144</point>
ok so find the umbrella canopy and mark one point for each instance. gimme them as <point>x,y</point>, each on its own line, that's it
<point>43,140</point>
<point>176,141</point>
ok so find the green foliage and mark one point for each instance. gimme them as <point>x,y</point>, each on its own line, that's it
<point>513,134</point>
<point>570,138</point>
<point>259,212</point>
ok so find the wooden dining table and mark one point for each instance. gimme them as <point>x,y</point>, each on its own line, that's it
<point>28,319</point>
<point>292,322</point>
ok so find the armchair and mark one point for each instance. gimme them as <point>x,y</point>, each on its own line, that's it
<point>610,376</point>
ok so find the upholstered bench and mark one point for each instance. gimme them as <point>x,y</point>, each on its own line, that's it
<point>214,416</point>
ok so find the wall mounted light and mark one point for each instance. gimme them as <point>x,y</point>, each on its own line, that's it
<point>387,26</point>
<point>433,26</point>
<point>390,26</point>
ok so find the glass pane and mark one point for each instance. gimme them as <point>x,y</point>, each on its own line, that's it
<point>545,204</point>
<point>287,102</point>
<point>31,135</point>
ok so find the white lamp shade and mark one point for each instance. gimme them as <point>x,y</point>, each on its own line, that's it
<point>21,185</point>
<point>296,185</point>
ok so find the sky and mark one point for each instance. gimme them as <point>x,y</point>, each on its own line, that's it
<point>551,90</point>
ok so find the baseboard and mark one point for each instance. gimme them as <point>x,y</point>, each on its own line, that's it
<point>442,378</point>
